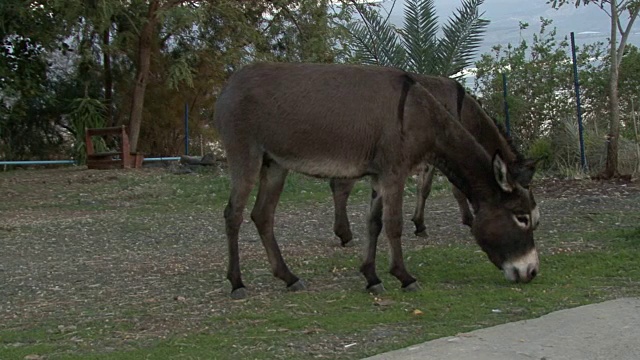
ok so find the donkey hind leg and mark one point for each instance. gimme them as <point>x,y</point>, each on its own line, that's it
<point>425,179</point>
<point>374,227</point>
<point>341,189</point>
<point>243,177</point>
<point>392,192</point>
<point>463,204</point>
<point>272,177</point>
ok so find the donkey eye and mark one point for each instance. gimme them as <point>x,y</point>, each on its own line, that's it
<point>522,220</point>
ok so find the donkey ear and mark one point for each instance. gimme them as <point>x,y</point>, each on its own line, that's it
<point>500,173</point>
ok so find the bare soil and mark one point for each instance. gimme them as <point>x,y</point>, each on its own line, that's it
<point>78,249</point>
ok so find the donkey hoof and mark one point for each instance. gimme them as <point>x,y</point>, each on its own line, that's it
<point>377,289</point>
<point>297,286</point>
<point>420,228</point>
<point>422,234</point>
<point>348,244</point>
<point>413,287</point>
<point>239,293</point>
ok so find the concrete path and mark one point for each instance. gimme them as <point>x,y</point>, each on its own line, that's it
<point>605,331</point>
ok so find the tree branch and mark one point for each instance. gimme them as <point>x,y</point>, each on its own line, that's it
<point>293,19</point>
<point>625,34</point>
<point>605,11</point>
<point>366,23</point>
<point>623,5</point>
<point>619,23</point>
<point>359,10</point>
<point>172,3</point>
<point>364,44</point>
<point>390,11</point>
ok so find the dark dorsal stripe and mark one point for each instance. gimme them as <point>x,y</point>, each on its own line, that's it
<point>407,83</point>
<point>501,129</point>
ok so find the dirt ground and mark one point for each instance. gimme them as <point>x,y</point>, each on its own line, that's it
<point>80,263</point>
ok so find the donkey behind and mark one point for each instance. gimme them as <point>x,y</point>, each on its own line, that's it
<point>483,128</point>
<point>345,121</point>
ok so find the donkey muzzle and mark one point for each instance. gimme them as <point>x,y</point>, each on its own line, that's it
<point>522,269</point>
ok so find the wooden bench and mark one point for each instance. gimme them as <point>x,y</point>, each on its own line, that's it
<point>120,159</point>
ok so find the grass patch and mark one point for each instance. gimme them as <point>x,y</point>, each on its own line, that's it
<point>147,280</point>
<point>460,292</point>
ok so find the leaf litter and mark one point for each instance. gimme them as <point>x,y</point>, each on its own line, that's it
<point>74,259</point>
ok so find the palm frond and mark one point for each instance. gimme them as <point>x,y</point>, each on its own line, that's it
<point>461,38</point>
<point>376,41</point>
<point>364,45</point>
<point>419,35</point>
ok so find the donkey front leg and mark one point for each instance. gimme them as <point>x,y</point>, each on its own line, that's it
<point>392,193</point>
<point>463,204</point>
<point>272,177</point>
<point>425,180</point>
<point>341,189</point>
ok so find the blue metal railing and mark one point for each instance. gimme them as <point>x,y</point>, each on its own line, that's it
<point>73,162</point>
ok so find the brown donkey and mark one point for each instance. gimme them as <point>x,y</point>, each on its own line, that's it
<point>469,112</point>
<point>345,121</point>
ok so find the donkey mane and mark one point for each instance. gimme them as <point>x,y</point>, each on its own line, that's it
<point>522,169</point>
<point>501,128</point>
<point>509,139</point>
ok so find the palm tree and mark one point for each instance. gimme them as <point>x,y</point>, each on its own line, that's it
<point>416,47</point>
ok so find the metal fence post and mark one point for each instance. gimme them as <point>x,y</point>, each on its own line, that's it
<point>186,128</point>
<point>506,104</point>
<point>583,158</point>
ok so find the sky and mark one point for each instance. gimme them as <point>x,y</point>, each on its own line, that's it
<point>589,23</point>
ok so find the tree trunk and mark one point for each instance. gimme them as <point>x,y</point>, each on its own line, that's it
<point>142,73</point>
<point>635,130</point>
<point>611,168</point>
<point>108,78</point>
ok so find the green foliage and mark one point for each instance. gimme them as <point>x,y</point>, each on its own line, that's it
<point>462,36</point>
<point>85,113</point>
<point>542,101</point>
<point>542,149</point>
<point>416,47</point>
<point>559,3</point>
<point>624,5</point>
<point>536,74</point>
<point>52,52</point>
<point>629,90</point>
<point>541,89</point>
<point>304,31</point>
<point>180,72</point>
<point>618,12</point>
<point>25,127</point>
<point>28,129</point>
<point>419,35</point>
<point>565,143</point>
<point>375,41</point>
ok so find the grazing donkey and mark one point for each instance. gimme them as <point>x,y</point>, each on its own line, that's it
<point>485,130</point>
<point>346,121</point>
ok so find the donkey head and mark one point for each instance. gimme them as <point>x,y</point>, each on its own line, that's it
<point>504,223</point>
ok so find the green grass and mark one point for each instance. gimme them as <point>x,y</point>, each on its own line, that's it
<point>461,291</point>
